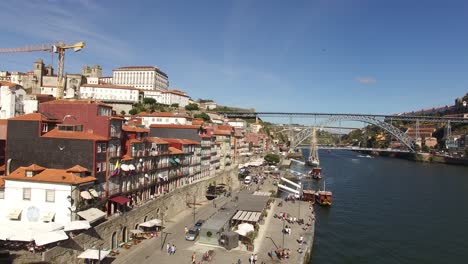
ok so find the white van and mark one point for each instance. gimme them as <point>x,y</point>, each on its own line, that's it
<point>248,180</point>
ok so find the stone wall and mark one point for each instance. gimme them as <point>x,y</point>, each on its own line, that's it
<point>168,205</point>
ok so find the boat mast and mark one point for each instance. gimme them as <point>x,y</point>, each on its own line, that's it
<point>313,146</point>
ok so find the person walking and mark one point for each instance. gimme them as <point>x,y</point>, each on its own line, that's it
<point>251,259</point>
<point>255,259</point>
<point>193,258</point>
<point>239,261</point>
<point>173,249</point>
<point>168,248</point>
<point>186,230</point>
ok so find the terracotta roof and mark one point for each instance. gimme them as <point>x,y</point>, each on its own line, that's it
<point>190,142</point>
<point>197,121</point>
<point>222,132</point>
<point>126,157</point>
<point>225,127</point>
<point>176,92</point>
<point>76,101</point>
<point>173,150</point>
<point>157,140</point>
<point>134,141</point>
<point>163,114</point>
<point>34,117</point>
<point>9,84</point>
<point>237,134</point>
<point>55,133</point>
<point>110,86</point>
<point>181,141</point>
<point>77,168</point>
<point>174,126</point>
<point>34,167</point>
<point>135,129</point>
<point>2,168</point>
<point>2,182</point>
<point>49,175</point>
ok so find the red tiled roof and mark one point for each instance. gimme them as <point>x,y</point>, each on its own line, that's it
<point>222,132</point>
<point>181,141</point>
<point>9,84</point>
<point>126,157</point>
<point>173,150</point>
<point>190,142</point>
<point>135,129</point>
<point>134,141</point>
<point>49,175</point>
<point>55,133</point>
<point>197,121</point>
<point>174,126</point>
<point>156,140</point>
<point>163,114</point>
<point>34,117</point>
<point>2,182</point>
<point>77,168</point>
<point>110,86</point>
<point>77,101</point>
<point>34,167</point>
<point>176,92</point>
<point>225,127</point>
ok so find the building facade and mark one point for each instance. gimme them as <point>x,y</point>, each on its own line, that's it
<point>142,77</point>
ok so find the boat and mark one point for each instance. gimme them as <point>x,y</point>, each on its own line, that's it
<point>308,196</point>
<point>323,198</point>
<point>313,159</point>
<point>316,173</point>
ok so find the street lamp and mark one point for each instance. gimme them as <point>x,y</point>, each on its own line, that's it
<point>272,241</point>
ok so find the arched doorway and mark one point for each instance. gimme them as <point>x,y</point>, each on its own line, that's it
<point>114,240</point>
<point>124,234</point>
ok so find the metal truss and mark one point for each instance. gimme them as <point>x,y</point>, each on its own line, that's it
<point>397,133</point>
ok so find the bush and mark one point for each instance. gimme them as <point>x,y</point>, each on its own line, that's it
<point>133,111</point>
<point>175,105</point>
<point>209,234</point>
<point>272,158</point>
<point>203,116</point>
<point>191,107</point>
<point>149,100</point>
<point>122,112</point>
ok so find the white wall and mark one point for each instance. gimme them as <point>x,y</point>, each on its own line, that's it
<point>109,94</point>
<point>150,120</point>
<point>38,204</point>
<point>30,106</point>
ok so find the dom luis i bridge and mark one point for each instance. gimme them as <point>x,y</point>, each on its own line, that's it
<point>322,120</point>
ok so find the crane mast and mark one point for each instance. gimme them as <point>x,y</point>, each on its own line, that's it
<point>59,48</point>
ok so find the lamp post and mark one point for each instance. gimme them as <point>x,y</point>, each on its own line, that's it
<point>272,241</point>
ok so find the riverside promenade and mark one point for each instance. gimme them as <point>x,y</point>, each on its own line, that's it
<point>270,233</point>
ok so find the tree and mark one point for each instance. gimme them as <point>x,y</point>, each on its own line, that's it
<point>149,100</point>
<point>133,111</point>
<point>191,107</point>
<point>203,116</point>
<point>425,148</point>
<point>272,158</point>
<point>175,105</point>
<point>122,112</point>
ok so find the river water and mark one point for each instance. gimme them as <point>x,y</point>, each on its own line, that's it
<point>388,210</point>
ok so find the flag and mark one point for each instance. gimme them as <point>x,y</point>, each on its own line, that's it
<point>116,169</point>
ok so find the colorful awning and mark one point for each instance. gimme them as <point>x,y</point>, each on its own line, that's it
<point>120,199</point>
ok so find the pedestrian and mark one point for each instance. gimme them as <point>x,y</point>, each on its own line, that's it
<point>186,230</point>
<point>173,249</point>
<point>251,259</point>
<point>193,258</point>
<point>301,240</point>
<point>255,258</point>
<point>168,248</point>
<point>239,261</point>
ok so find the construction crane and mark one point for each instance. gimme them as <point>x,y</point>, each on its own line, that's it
<point>59,48</point>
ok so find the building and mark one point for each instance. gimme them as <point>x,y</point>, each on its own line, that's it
<point>121,98</point>
<point>237,123</point>
<point>216,118</point>
<point>208,105</point>
<point>163,118</point>
<point>142,77</point>
<point>93,72</point>
<point>11,99</point>
<point>37,194</point>
<point>177,97</point>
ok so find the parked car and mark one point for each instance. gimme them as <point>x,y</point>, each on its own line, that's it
<point>192,234</point>
<point>199,223</point>
<point>5,256</point>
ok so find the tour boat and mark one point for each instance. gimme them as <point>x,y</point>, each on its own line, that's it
<point>313,159</point>
<point>316,173</point>
<point>324,198</point>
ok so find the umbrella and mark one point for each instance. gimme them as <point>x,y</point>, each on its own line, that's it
<point>94,254</point>
<point>244,228</point>
<point>49,237</point>
<point>77,225</point>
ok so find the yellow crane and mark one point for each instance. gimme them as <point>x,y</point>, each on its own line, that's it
<point>59,48</point>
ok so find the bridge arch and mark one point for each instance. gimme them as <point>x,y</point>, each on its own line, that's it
<point>397,133</point>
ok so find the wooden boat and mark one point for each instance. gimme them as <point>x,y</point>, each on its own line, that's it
<point>308,195</point>
<point>316,173</point>
<point>324,198</point>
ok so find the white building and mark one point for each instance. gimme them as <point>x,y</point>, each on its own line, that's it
<point>237,123</point>
<point>11,100</point>
<point>156,95</point>
<point>208,105</point>
<point>110,93</point>
<point>176,97</point>
<point>36,194</point>
<point>164,118</point>
<point>92,80</point>
<point>143,77</point>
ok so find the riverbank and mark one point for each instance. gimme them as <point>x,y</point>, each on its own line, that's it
<point>421,157</point>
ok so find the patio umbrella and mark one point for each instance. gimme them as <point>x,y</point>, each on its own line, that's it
<point>77,225</point>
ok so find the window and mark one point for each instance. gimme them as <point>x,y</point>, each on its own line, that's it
<point>44,128</point>
<point>50,196</point>
<point>98,167</point>
<point>2,193</point>
<point>27,194</point>
<point>103,147</point>
<point>103,166</point>
<point>98,147</point>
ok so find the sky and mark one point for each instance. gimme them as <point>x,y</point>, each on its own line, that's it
<point>338,56</point>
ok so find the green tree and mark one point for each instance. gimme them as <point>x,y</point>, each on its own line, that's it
<point>203,116</point>
<point>122,112</point>
<point>133,111</point>
<point>175,105</point>
<point>272,158</point>
<point>149,101</point>
<point>191,107</point>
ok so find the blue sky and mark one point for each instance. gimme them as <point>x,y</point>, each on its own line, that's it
<point>305,56</point>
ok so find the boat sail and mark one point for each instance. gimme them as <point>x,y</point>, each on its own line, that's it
<point>313,159</point>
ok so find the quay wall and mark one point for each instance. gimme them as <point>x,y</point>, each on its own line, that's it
<point>422,157</point>
<point>168,205</point>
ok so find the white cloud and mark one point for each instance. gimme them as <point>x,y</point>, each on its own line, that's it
<point>366,80</point>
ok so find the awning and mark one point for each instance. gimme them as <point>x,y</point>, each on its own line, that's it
<point>14,213</point>
<point>94,254</point>
<point>177,160</point>
<point>93,193</point>
<point>48,216</point>
<point>120,199</point>
<point>22,235</point>
<point>151,223</point>
<point>92,215</point>
<point>77,225</point>
<point>50,237</point>
<point>86,195</point>
<point>135,231</point>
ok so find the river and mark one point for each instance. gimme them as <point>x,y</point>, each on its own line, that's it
<point>388,210</point>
